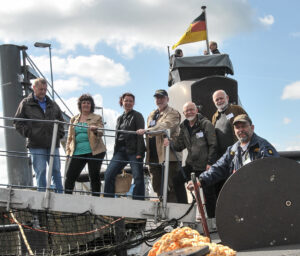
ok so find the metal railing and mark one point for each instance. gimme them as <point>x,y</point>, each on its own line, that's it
<point>52,152</point>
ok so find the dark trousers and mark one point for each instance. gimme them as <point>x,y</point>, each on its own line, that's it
<point>117,163</point>
<point>179,183</point>
<point>76,166</point>
<point>218,187</point>
<point>209,191</point>
<point>176,188</point>
<point>210,198</point>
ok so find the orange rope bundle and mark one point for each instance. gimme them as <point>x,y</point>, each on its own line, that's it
<point>187,237</point>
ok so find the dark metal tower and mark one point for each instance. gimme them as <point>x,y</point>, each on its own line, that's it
<point>12,80</point>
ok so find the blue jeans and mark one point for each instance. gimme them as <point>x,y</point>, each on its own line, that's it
<point>41,156</point>
<point>115,167</point>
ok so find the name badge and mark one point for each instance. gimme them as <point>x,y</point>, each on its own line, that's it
<point>229,116</point>
<point>152,123</point>
<point>199,135</point>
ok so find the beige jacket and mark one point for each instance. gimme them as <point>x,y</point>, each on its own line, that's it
<point>95,139</point>
<point>168,119</point>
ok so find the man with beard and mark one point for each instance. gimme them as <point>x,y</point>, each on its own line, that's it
<point>248,148</point>
<point>164,117</point>
<point>223,120</point>
<point>198,136</point>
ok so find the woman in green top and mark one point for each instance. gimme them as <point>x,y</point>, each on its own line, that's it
<point>85,145</point>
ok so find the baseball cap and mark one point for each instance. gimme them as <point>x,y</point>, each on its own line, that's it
<point>242,118</point>
<point>160,92</point>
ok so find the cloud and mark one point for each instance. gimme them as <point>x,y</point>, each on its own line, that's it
<point>267,21</point>
<point>293,148</point>
<point>295,34</point>
<point>126,25</point>
<point>291,91</point>
<point>62,86</point>
<point>286,120</point>
<point>100,69</point>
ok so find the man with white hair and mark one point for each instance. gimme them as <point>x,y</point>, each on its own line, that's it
<point>198,136</point>
<point>223,119</point>
<point>223,123</point>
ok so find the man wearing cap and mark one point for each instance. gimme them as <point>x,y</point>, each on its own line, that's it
<point>248,148</point>
<point>164,117</point>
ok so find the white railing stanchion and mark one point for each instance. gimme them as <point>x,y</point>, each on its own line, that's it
<point>51,161</point>
<point>166,173</point>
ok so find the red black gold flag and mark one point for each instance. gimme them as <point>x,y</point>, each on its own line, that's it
<point>195,32</point>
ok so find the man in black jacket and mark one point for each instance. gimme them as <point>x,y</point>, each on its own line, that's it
<point>197,135</point>
<point>39,134</point>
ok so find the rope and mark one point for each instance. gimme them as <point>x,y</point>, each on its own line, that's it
<point>22,233</point>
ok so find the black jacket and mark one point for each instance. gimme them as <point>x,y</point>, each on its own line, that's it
<point>201,145</point>
<point>135,144</point>
<point>39,135</point>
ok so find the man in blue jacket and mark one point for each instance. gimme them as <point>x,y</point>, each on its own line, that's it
<point>248,148</point>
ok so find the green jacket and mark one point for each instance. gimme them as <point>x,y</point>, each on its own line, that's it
<point>201,145</point>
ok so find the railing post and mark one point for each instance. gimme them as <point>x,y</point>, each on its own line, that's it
<point>51,161</point>
<point>166,173</point>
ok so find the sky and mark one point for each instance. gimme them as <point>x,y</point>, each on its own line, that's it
<point>107,47</point>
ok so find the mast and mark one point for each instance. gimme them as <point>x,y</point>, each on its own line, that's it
<point>207,45</point>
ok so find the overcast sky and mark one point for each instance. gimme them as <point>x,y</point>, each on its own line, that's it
<point>107,47</point>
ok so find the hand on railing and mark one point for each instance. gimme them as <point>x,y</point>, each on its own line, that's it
<point>190,185</point>
<point>141,132</point>
<point>166,142</point>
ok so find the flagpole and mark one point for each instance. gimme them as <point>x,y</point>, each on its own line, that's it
<point>207,45</point>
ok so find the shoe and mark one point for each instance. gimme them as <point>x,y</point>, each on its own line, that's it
<point>211,224</point>
<point>198,219</point>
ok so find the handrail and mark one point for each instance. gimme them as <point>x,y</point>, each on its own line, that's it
<point>66,123</point>
<point>56,123</point>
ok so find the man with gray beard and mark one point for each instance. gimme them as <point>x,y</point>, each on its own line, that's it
<point>198,136</point>
<point>248,148</point>
<point>223,119</point>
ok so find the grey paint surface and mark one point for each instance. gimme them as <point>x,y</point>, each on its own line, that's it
<point>18,169</point>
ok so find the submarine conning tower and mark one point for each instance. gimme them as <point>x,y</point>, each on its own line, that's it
<point>197,78</point>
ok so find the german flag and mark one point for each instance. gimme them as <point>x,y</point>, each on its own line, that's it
<point>195,32</point>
